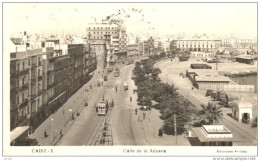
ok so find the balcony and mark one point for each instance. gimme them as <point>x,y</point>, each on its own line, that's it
<point>49,72</point>
<point>14,75</point>
<point>13,90</point>
<point>39,93</point>
<point>39,77</point>
<point>23,72</point>
<point>33,81</point>
<point>24,104</point>
<point>33,96</point>
<point>23,87</point>
<point>34,65</point>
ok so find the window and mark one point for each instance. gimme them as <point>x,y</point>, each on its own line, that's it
<point>112,28</point>
<point>17,99</point>
<point>94,28</point>
<point>43,44</point>
<point>98,28</point>
<point>97,32</point>
<point>101,28</point>
<point>94,33</point>
<point>23,65</point>
<point>18,67</point>
<point>22,97</point>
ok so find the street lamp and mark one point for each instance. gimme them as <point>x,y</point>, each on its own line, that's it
<point>70,110</point>
<point>52,120</point>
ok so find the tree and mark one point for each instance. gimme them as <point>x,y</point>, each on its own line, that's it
<point>211,113</point>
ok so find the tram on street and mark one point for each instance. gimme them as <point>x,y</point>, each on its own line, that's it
<point>102,107</point>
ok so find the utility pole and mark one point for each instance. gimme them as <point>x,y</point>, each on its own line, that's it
<point>175,127</point>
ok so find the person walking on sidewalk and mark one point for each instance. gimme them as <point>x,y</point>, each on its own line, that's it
<point>160,132</point>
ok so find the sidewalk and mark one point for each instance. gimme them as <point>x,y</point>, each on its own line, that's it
<point>146,130</point>
<point>59,122</point>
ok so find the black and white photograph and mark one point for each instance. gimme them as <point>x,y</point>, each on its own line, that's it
<point>170,79</point>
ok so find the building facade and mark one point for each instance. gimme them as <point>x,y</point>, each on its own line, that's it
<point>199,45</point>
<point>43,75</point>
<point>133,51</point>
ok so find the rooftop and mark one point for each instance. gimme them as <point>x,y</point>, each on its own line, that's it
<point>18,131</point>
<point>216,129</point>
<point>212,78</point>
<point>209,133</point>
<point>246,56</point>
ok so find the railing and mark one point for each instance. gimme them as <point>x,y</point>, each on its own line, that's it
<point>34,65</point>
<point>49,72</point>
<point>14,75</point>
<point>23,72</point>
<point>23,87</point>
<point>39,93</point>
<point>13,90</point>
<point>33,96</point>
<point>25,103</point>
<point>33,81</point>
<point>39,77</point>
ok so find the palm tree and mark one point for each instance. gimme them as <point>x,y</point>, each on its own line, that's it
<point>211,113</point>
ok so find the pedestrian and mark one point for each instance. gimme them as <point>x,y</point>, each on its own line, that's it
<point>160,132</point>
<point>143,116</point>
<point>112,103</point>
<point>72,117</point>
<point>45,134</point>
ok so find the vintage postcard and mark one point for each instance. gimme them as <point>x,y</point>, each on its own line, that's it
<point>130,79</point>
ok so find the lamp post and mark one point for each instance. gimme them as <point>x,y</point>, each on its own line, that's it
<point>52,120</point>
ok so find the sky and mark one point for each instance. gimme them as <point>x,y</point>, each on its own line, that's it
<point>221,19</point>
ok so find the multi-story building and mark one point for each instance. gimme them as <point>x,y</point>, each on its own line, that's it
<point>158,47</point>
<point>112,33</point>
<point>55,81</point>
<point>144,48</point>
<point>199,45</point>
<point>133,51</point>
<point>100,48</point>
<point>44,74</point>
<point>35,87</point>
<point>228,42</point>
<point>166,46</point>
<point>19,86</point>
<point>76,53</point>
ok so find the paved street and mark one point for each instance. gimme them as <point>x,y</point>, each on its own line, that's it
<point>126,129</point>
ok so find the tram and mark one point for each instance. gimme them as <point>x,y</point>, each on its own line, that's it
<point>102,107</point>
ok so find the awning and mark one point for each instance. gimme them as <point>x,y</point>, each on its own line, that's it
<point>17,132</point>
<point>56,98</point>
